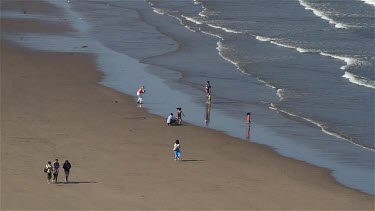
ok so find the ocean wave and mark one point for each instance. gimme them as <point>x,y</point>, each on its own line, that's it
<point>267,84</point>
<point>273,41</point>
<point>348,60</point>
<point>322,128</point>
<point>263,39</point>
<point>323,16</point>
<point>192,20</point>
<point>225,29</point>
<point>359,80</point>
<point>182,23</point>
<point>158,11</point>
<point>203,12</point>
<point>214,35</point>
<point>370,2</point>
<point>197,2</point>
<point>220,47</point>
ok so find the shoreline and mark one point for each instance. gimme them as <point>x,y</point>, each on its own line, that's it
<point>219,170</point>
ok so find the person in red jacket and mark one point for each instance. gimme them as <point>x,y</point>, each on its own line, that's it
<point>139,94</point>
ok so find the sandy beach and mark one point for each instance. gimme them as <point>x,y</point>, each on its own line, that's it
<point>53,107</point>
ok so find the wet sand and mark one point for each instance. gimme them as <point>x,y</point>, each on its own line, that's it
<point>53,107</point>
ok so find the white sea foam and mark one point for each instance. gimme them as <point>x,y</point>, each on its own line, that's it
<point>263,39</point>
<point>192,20</point>
<point>180,20</point>
<point>224,29</point>
<point>359,80</point>
<point>221,48</point>
<point>323,129</point>
<point>370,2</point>
<point>283,45</point>
<point>202,13</point>
<point>158,11</point>
<point>303,50</point>
<point>349,61</point>
<point>322,15</point>
<point>214,35</point>
<point>281,94</point>
<point>197,2</point>
<point>267,84</point>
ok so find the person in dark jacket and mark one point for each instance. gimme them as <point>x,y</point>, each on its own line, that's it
<point>66,168</point>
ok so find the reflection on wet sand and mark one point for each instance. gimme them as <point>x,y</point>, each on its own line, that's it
<point>207,114</point>
<point>248,132</point>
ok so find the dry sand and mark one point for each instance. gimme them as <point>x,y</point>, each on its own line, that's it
<point>122,158</point>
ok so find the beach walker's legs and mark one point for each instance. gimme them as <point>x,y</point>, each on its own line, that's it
<point>55,177</point>
<point>140,99</point>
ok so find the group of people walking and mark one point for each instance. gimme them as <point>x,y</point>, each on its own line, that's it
<point>53,170</point>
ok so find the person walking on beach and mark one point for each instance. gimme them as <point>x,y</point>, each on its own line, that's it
<point>48,169</point>
<point>139,94</point>
<point>56,166</point>
<point>176,150</point>
<point>179,115</point>
<point>66,168</point>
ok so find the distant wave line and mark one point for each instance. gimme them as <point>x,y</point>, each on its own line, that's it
<point>158,11</point>
<point>220,48</point>
<point>197,2</point>
<point>370,2</point>
<point>337,135</point>
<point>214,35</point>
<point>323,16</point>
<point>267,84</point>
<point>180,20</point>
<point>359,80</point>
<point>279,92</point>
<point>224,29</point>
<point>348,60</point>
<point>192,20</point>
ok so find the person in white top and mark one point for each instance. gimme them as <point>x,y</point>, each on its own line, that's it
<point>171,120</point>
<point>48,169</point>
<point>176,150</point>
<point>139,94</point>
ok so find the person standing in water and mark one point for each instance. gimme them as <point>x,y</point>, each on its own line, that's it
<point>248,120</point>
<point>208,88</point>
<point>176,150</point>
<point>179,115</point>
<point>208,92</point>
<point>139,94</point>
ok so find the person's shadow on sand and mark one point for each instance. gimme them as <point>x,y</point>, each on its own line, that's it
<point>191,160</point>
<point>67,183</point>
